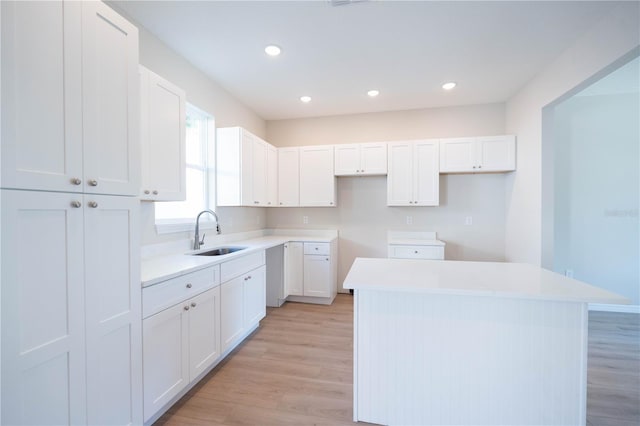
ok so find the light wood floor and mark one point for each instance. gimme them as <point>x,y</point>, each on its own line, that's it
<point>296,369</point>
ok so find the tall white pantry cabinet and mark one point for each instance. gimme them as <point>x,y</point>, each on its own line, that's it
<point>70,289</point>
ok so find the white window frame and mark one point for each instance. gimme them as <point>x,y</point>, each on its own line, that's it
<point>187,224</point>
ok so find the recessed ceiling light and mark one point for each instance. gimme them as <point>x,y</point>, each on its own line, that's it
<point>272,50</point>
<point>305,99</point>
<point>448,86</point>
<point>373,93</point>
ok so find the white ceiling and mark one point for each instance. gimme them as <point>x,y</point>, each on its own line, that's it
<point>335,54</point>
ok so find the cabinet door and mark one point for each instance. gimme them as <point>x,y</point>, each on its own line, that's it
<point>255,297</point>
<point>258,173</point>
<point>293,269</point>
<point>163,139</point>
<point>373,158</point>
<point>426,173</point>
<point>272,176</point>
<point>317,276</point>
<point>288,177</point>
<point>110,99</point>
<point>204,331</point>
<point>166,357</point>
<point>400,178</point>
<point>43,352</point>
<point>458,155</point>
<point>113,310</point>
<point>41,96</point>
<point>317,181</point>
<point>347,160</point>
<point>246,144</point>
<point>231,312</point>
<point>496,153</point>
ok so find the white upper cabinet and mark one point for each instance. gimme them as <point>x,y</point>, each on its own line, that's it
<point>361,159</point>
<point>272,176</point>
<point>242,168</point>
<point>289,177</point>
<point>413,178</point>
<point>259,172</point>
<point>162,138</point>
<point>317,180</point>
<point>69,98</point>
<point>478,154</point>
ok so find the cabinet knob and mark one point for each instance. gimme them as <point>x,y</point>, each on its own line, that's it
<point>155,192</point>
<point>93,182</point>
<point>474,167</point>
<point>193,304</point>
<point>280,203</point>
<point>146,191</point>
<point>76,181</point>
<point>479,167</point>
<point>361,171</point>
<point>327,259</point>
<point>415,251</point>
<point>331,203</point>
<point>269,203</point>
<point>186,308</point>
<point>93,204</point>
<point>189,285</point>
<point>76,204</point>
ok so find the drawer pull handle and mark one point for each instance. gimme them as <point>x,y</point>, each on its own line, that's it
<point>76,181</point>
<point>416,251</point>
<point>189,285</point>
<point>193,304</point>
<point>93,182</point>
<point>186,308</point>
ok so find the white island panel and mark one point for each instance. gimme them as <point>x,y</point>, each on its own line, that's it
<point>448,359</point>
<point>473,343</point>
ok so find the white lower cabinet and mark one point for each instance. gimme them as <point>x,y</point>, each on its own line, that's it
<point>310,272</point>
<point>293,269</point>
<point>166,359</point>
<point>231,312</point>
<point>244,305</point>
<point>71,344</point>
<point>317,276</point>
<point>191,320</point>
<point>179,342</point>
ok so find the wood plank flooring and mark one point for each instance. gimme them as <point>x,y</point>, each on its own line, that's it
<point>296,369</point>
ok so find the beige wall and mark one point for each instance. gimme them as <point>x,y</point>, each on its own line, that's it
<point>473,120</point>
<point>209,96</point>
<point>362,216</point>
<point>614,36</point>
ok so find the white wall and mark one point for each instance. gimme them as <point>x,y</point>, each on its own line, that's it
<point>597,140</point>
<point>614,36</point>
<point>362,216</point>
<point>209,96</point>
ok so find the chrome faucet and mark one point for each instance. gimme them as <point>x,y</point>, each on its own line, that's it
<point>196,238</point>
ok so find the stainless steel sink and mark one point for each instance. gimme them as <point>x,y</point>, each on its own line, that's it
<point>219,251</point>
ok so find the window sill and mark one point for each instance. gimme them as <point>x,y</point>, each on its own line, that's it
<point>176,226</point>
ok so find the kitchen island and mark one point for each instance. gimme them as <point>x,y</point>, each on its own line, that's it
<point>473,343</point>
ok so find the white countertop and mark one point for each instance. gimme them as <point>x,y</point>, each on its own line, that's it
<point>514,280</point>
<point>163,267</point>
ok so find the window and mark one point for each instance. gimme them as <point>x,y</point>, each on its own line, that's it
<point>179,216</point>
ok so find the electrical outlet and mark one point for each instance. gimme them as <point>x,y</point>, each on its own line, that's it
<point>468,220</point>
<point>305,220</point>
<point>568,273</point>
<point>409,220</point>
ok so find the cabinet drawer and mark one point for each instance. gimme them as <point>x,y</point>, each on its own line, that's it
<point>241,265</point>
<point>167,293</point>
<point>316,248</point>
<point>416,252</point>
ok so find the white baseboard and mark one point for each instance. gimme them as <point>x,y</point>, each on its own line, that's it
<point>630,309</point>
